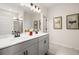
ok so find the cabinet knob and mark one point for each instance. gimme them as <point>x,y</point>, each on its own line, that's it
<point>25,52</point>
<point>44,41</point>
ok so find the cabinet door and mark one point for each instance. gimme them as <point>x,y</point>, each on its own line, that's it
<point>46,44</point>
<point>32,50</point>
<point>22,52</point>
<point>19,53</point>
<point>43,44</point>
<point>41,47</point>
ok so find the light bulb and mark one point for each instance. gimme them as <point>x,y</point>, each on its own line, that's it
<point>36,9</point>
<point>39,10</point>
<point>14,17</point>
<point>33,8</point>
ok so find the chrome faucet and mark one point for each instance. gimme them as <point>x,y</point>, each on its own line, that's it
<point>16,33</point>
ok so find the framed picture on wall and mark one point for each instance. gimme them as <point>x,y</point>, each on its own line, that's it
<point>72,21</point>
<point>57,22</point>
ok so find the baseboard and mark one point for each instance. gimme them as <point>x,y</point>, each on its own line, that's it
<point>66,46</point>
<point>50,53</point>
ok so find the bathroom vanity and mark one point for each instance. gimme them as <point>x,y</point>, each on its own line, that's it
<point>37,44</point>
<point>16,23</point>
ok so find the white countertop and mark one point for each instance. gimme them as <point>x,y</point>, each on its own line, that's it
<point>9,40</point>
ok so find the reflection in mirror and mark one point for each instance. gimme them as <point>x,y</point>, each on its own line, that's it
<point>37,22</point>
<point>31,21</point>
<point>28,21</point>
<point>18,26</point>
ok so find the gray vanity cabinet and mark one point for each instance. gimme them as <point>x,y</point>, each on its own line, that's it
<point>35,46</point>
<point>25,48</point>
<point>31,50</point>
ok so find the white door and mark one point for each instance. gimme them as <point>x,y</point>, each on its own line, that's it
<point>43,44</point>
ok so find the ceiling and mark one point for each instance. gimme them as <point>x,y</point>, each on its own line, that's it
<point>50,5</point>
<point>47,5</point>
<point>18,6</point>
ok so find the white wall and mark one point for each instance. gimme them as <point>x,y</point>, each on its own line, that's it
<point>64,37</point>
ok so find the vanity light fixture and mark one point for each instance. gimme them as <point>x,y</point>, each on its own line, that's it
<point>36,8</point>
<point>31,4</point>
<point>39,10</point>
<point>33,7</point>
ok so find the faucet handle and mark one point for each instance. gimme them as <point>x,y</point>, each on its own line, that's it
<point>12,32</point>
